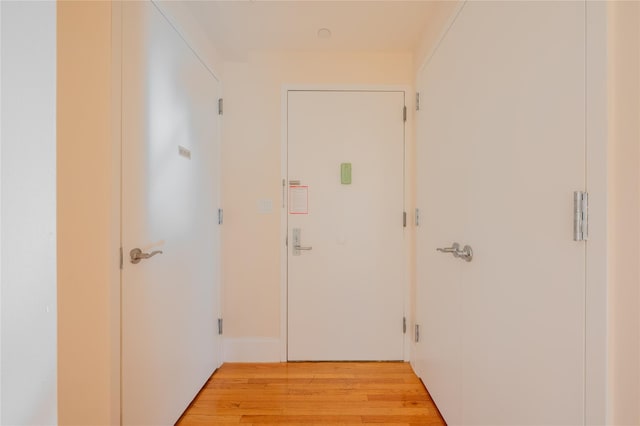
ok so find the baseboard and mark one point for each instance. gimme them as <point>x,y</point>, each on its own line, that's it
<point>251,349</point>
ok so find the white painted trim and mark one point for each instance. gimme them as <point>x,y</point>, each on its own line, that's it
<point>344,88</point>
<point>596,404</point>
<point>284,270</point>
<point>115,279</point>
<point>218,174</point>
<point>409,101</point>
<point>1,241</point>
<point>408,91</point>
<point>251,349</point>
<point>284,295</point>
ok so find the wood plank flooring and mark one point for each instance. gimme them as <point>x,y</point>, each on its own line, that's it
<point>326,393</point>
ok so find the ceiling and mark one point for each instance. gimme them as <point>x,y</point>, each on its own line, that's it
<point>236,27</point>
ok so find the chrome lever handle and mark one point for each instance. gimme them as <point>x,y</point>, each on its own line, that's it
<point>296,243</point>
<point>455,249</point>
<point>465,254</point>
<point>137,255</point>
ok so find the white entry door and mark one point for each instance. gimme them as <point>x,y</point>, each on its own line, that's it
<point>345,171</point>
<point>169,207</point>
<point>501,143</point>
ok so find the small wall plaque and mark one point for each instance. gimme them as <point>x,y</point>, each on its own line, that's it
<point>345,173</point>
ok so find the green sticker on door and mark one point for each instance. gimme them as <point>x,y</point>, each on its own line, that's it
<point>345,173</point>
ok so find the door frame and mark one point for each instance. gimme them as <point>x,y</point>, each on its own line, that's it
<point>283,205</point>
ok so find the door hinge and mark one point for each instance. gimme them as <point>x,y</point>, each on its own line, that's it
<point>121,258</point>
<point>417,101</point>
<point>417,333</point>
<point>404,325</point>
<point>404,219</point>
<point>580,216</point>
<point>220,106</point>
<point>220,216</point>
<point>417,217</point>
<point>404,113</point>
<point>220,326</point>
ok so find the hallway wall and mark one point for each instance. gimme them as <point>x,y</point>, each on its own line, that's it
<point>88,217</point>
<point>28,226</point>
<point>624,213</point>
<point>251,170</point>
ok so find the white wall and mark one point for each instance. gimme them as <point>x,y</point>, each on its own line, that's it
<point>88,216</point>
<point>28,255</point>
<point>624,213</point>
<point>0,210</point>
<point>442,16</point>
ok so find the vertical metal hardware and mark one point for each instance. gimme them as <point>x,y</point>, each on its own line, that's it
<point>417,333</point>
<point>404,325</point>
<point>404,219</point>
<point>121,258</point>
<point>404,113</point>
<point>220,216</point>
<point>580,216</point>
<point>417,101</point>
<point>417,217</point>
<point>219,325</point>
<point>296,243</point>
<point>220,106</point>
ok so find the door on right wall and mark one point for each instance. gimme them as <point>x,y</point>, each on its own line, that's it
<point>501,149</point>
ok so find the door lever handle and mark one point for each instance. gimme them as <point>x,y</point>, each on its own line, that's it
<point>465,254</point>
<point>137,255</point>
<point>296,242</point>
<point>455,248</point>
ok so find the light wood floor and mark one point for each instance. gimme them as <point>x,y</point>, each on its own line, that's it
<point>326,393</point>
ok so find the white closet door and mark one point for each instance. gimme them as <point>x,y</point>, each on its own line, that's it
<point>502,145</point>
<point>170,181</point>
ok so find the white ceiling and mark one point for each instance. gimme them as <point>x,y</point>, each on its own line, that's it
<point>236,27</point>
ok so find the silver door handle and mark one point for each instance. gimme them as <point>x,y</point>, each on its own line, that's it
<point>455,248</point>
<point>465,254</point>
<point>137,255</point>
<point>296,243</point>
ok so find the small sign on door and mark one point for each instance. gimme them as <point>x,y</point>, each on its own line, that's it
<point>298,199</point>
